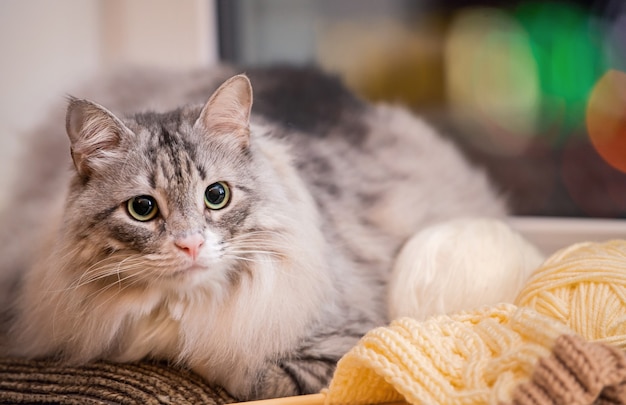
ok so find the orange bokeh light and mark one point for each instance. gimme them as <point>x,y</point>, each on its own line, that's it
<point>606,118</point>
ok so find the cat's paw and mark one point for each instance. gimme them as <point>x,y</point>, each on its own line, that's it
<point>284,378</point>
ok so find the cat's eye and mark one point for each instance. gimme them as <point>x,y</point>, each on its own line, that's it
<point>217,195</point>
<point>142,208</point>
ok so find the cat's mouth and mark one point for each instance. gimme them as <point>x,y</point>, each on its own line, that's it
<point>186,271</point>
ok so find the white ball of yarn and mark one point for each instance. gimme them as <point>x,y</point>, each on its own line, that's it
<point>459,265</point>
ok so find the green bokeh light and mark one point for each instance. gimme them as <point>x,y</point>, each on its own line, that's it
<point>570,59</point>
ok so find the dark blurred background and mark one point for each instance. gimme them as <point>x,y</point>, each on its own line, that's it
<point>535,91</point>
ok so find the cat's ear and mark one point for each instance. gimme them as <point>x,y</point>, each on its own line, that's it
<point>95,135</point>
<point>227,113</point>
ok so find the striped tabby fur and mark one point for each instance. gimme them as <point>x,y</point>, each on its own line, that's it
<point>288,275</point>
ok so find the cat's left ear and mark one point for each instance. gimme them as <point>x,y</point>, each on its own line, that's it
<point>227,113</point>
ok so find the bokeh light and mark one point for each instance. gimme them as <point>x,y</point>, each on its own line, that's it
<point>535,91</point>
<point>569,55</point>
<point>535,76</point>
<point>402,63</point>
<point>606,118</point>
<point>492,80</point>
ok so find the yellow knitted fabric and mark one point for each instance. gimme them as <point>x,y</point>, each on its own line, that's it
<point>583,286</point>
<point>475,357</point>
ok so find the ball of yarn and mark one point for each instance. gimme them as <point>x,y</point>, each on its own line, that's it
<point>460,264</point>
<point>584,287</point>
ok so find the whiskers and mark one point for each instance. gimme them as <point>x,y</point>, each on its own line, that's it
<point>116,273</point>
<point>125,271</point>
<point>256,247</point>
<point>110,268</point>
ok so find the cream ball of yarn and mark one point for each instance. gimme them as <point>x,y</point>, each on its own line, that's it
<point>584,287</point>
<point>460,264</point>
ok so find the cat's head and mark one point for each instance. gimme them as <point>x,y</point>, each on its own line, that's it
<point>176,198</point>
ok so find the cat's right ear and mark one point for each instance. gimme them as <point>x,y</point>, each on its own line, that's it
<point>95,134</point>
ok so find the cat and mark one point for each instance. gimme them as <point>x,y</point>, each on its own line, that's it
<point>250,242</point>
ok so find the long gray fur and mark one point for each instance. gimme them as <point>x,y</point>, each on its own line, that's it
<point>323,198</point>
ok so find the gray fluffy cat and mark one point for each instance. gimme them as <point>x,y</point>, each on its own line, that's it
<point>253,247</point>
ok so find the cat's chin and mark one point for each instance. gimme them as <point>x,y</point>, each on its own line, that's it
<point>196,275</point>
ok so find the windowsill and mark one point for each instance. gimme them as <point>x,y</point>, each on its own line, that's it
<point>552,233</point>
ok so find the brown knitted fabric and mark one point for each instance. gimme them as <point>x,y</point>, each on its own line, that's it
<point>39,382</point>
<point>577,372</point>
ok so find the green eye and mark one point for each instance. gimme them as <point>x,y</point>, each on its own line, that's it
<point>217,195</point>
<point>142,208</point>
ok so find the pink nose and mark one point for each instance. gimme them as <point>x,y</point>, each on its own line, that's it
<point>190,244</point>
